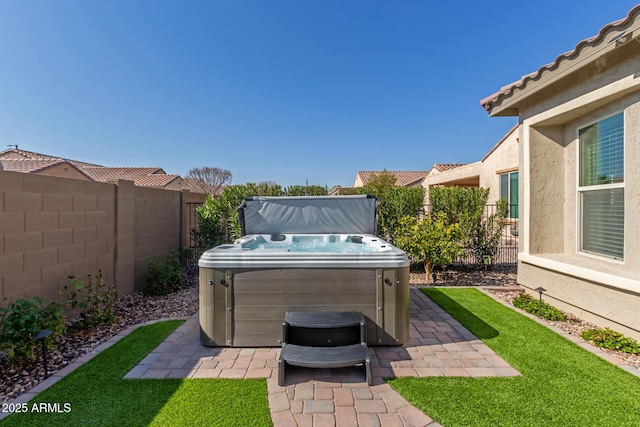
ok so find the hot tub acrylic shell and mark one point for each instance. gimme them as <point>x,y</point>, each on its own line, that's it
<point>245,293</point>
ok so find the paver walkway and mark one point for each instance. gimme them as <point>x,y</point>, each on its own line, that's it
<point>438,346</point>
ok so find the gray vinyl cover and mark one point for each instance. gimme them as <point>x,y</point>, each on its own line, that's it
<point>308,215</point>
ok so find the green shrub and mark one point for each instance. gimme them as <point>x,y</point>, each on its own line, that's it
<point>533,306</point>
<point>612,340</point>
<point>467,206</point>
<point>23,319</point>
<point>164,278</point>
<point>306,190</point>
<point>430,240</point>
<point>395,203</point>
<point>94,300</point>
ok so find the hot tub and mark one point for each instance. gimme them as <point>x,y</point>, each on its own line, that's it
<point>247,287</point>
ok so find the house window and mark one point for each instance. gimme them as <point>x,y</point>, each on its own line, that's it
<point>509,191</point>
<point>601,187</point>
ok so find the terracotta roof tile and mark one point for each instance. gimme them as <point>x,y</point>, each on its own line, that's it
<point>27,165</point>
<point>403,178</point>
<point>441,167</point>
<point>16,153</point>
<point>104,174</point>
<point>506,91</point>
<point>17,160</point>
<point>155,180</point>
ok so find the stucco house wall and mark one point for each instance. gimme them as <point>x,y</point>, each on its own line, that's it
<point>502,158</point>
<point>595,81</point>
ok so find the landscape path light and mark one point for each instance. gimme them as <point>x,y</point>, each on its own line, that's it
<point>42,337</point>
<point>540,290</point>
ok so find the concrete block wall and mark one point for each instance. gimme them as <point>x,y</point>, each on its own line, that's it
<point>157,228</point>
<point>52,228</point>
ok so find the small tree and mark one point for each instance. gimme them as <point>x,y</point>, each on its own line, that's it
<point>431,240</point>
<point>485,238</point>
<point>209,180</point>
<point>379,185</point>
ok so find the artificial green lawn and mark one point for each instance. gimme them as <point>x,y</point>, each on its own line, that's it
<point>99,396</point>
<point>561,383</point>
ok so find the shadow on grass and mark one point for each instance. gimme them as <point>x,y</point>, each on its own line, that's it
<point>472,322</point>
<point>96,393</point>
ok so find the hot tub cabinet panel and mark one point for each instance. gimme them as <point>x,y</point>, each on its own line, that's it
<point>215,307</point>
<point>245,307</point>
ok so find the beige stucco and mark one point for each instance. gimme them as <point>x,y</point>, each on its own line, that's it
<point>63,170</point>
<point>502,158</point>
<point>600,289</point>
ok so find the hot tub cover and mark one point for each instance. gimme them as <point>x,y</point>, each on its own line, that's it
<point>308,215</point>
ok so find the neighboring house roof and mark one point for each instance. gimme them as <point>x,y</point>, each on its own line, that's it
<point>17,160</point>
<point>35,166</point>
<point>155,180</point>
<point>26,165</point>
<point>608,38</point>
<point>104,174</point>
<point>441,167</point>
<point>15,153</point>
<point>403,178</point>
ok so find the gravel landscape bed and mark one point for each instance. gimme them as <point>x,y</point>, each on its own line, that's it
<point>136,308</point>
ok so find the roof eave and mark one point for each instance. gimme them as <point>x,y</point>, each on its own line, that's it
<point>506,101</point>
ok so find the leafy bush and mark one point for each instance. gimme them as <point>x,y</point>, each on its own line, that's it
<point>94,300</point>
<point>612,340</point>
<point>466,206</point>
<point>23,319</point>
<point>218,217</point>
<point>527,303</point>
<point>379,184</point>
<point>430,240</point>
<point>398,202</point>
<point>395,203</point>
<point>164,278</point>
<point>306,190</point>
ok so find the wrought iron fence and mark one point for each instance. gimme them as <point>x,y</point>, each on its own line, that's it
<point>507,252</point>
<point>192,220</point>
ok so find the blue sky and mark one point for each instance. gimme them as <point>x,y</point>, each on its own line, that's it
<point>283,91</point>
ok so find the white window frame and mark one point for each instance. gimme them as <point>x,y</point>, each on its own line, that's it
<point>582,189</point>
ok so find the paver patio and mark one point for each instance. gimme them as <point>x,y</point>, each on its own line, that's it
<point>438,346</point>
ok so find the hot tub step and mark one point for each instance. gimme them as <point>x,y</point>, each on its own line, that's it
<point>340,319</point>
<point>324,357</point>
<point>323,340</point>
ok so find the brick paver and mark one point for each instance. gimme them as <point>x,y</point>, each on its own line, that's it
<point>438,346</point>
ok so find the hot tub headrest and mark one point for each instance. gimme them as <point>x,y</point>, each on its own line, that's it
<point>308,214</point>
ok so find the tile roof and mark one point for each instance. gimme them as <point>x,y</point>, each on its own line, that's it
<point>104,174</point>
<point>15,153</point>
<point>506,91</point>
<point>441,167</point>
<point>27,165</point>
<point>403,178</point>
<point>17,160</point>
<point>155,180</point>
<point>33,166</point>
